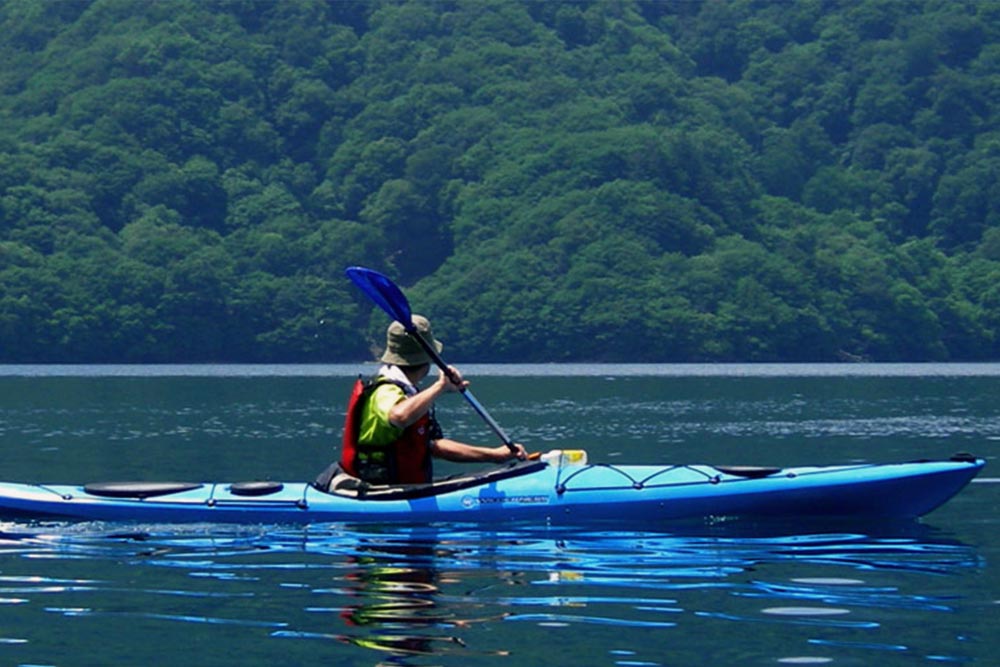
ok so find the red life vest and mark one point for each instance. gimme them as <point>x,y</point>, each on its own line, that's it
<point>406,460</point>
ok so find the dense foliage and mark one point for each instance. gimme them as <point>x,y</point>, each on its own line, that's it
<point>648,180</point>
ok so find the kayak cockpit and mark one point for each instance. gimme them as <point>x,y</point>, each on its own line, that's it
<point>348,486</point>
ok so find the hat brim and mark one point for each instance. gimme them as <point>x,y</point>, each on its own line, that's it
<point>416,357</point>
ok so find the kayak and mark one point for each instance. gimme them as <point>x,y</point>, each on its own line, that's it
<point>561,487</point>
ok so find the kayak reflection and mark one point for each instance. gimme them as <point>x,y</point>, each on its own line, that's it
<point>393,601</point>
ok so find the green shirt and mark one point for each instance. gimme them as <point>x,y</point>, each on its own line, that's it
<point>375,428</point>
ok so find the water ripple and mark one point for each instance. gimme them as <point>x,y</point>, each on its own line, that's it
<point>421,590</point>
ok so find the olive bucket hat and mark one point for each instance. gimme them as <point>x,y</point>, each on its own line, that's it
<point>402,349</point>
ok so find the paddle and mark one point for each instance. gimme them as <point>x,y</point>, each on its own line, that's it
<point>389,298</point>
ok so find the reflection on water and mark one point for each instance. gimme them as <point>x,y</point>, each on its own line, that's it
<point>450,593</point>
<point>393,592</point>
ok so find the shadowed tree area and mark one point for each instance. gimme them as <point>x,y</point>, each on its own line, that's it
<point>646,180</point>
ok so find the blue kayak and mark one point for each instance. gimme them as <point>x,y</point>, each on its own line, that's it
<point>561,488</point>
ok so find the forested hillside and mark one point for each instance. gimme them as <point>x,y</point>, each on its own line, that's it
<point>185,180</point>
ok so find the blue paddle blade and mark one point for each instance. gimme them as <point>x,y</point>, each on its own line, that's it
<point>384,293</point>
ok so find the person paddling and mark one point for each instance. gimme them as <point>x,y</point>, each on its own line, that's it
<point>391,434</point>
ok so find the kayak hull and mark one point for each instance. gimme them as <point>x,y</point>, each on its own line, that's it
<point>524,492</point>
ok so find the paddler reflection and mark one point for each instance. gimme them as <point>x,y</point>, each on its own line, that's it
<point>397,611</point>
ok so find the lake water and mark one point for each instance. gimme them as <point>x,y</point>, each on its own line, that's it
<point>783,593</point>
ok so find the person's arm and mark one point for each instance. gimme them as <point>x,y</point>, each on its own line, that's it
<point>412,408</point>
<point>452,450</point>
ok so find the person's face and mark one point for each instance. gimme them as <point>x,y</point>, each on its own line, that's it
<point>417,373</point>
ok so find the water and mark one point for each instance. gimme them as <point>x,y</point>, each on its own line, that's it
<point>758,594</point>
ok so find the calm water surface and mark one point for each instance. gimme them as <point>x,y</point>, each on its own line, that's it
<point>748,594</point>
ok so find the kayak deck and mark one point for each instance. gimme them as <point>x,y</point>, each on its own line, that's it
<point>553,491</point>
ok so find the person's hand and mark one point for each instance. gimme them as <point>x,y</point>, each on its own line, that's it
<point>520,453</point>
<point>445,382</point>
<point>505,453</point>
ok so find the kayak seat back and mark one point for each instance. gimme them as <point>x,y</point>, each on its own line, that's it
<point>138,489</point>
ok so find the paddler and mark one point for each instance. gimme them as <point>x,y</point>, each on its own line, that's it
<point>390,434</point>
